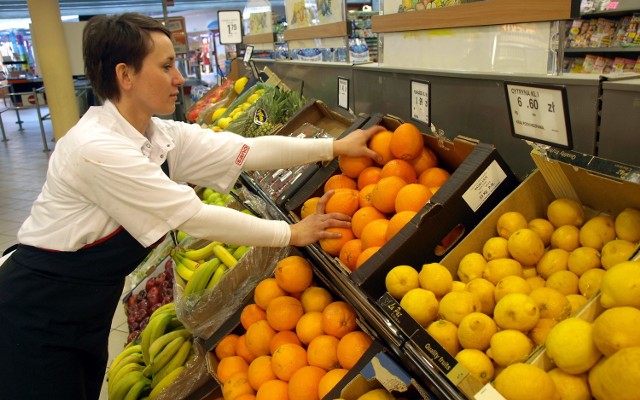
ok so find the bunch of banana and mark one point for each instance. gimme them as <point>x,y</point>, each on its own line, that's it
<point>125,379</point>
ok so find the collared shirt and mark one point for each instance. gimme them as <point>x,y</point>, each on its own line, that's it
<point>105,174</point>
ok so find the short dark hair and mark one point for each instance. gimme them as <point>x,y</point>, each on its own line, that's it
<point>110,40</point>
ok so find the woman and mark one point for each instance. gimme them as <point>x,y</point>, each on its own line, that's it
<point>107,200</point>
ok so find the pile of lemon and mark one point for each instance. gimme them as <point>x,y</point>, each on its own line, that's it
<point>522,289</point>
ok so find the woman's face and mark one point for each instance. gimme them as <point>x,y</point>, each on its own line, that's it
<point>156,85</point>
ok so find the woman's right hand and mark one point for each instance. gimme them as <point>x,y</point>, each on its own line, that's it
<point>313,227</point>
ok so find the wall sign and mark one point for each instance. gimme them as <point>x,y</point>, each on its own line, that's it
<point>421,101</point>
<point>539,113</point>
<point>230,25</point>
<point>343,93</point>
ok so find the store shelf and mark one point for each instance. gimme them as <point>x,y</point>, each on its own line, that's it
<point>599,50</point>
<point>617,8</point>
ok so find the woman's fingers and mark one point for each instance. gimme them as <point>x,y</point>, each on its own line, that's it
<point>322,203</point>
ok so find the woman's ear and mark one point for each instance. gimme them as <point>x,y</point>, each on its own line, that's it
<point>123,75</point>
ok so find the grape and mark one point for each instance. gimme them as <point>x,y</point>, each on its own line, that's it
<point>133,335</point>
<point>168,266</point>
<point>151,282</point>
<point>141,314</point>
<point>143,323</point>
<point>133,326</point>
<point>144,305</point>
<point>142,294</point>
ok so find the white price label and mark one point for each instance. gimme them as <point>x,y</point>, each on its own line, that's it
<point>539,114</point>
<point>421,101</point>
<point>343,93</point>
<point>230,25</point>
<point>486,184</point>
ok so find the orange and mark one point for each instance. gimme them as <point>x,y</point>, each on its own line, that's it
<point>315,298</point>
<point>333,246</point>
<point>351,348</point>
<point>364,196</point>
<point>258,338</point>
<point>304,383</point>
<point>350,252</point>
<point>229,366</point>
<point>247,396</point>
<point>242,350</point>
<point>380,144</point>
<point>260,371</point>
<point>250,314</point>
<point>338,319</point>
<point>366,254</point>
<point>397,222</point>
<point>412,197</point>
<point>287,359</point>
<point>266,290</point>
<point>309,326</point>
<point>353,166</point>
<point>340,181</point>
<point>433,177</point>
<point>226,347</point>
<point>283,337</point>
<point>427,159</point>
<point>375,233</point>
<point>309,207</point>
<point>368,176</point>
<point>362,217</point>
<point>399,168</point>
<point>383,196</point>
<point>284,312</point>
<point>323,352</point>
<point>273,390</point>
<point>294,274</point>
<point>406,142</point>
<point>330,380</point>
<point>236,385</point>
<point>344,201</point>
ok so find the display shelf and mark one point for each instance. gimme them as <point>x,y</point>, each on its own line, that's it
<point>607,50</point>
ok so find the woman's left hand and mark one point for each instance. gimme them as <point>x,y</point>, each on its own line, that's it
<point>355,144</point>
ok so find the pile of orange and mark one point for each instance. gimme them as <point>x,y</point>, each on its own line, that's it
<point>380,198</point>
<point>297,341</point>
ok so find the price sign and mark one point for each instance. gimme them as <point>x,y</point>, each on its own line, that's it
<point>343,93</point>
<point>539,113</point>
<point>421,101</point>
<point>247,54</point>
<point>230,23</point>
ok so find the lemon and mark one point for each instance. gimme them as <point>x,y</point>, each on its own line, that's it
<point>616,251</point>
<point>516,311</point>
<point>501,267</point>
<point>615,329</point>
<point>627,225</point>
<point>224,122</point>
<point>570,346</point>
<point>565,211</point>
<point>617,377</point>
<point>483,289</point>
<point>377,394</point>
<point>577,301</point>
<point>597,231</point>
<point>552,261</point>
<point>525,382</point>
<point>551,303</point>
<point>566,237</point>
<point>435,277</point>
<point>535,282</point>
<point>217,113</point>
<point>511,284</point>
<point>538,334</point>
<point>590,282</point>
<point>510,222</point>
<point>455,305</point>
<point>400,279</point>
<point>421,305</point>
<point>621,285</point>
<point>566,282</point>
<point>509,346</point>
<point>525,246</point>
<point>471,267</point>
<point>253,98</point>
<point>477,363</point>
<point>543,228</point>
<point>583,259</point>
<point>495,247</point>
<point>570,387</point>
<point>475,331</point>
<point>239,84</point>
<point>445,333</point>
<point>458,286</point>
<point>528,272</point>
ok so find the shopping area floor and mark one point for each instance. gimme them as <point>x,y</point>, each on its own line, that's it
<point>23,169</point>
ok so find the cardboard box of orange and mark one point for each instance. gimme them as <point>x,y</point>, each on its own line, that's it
<point>602,186</point>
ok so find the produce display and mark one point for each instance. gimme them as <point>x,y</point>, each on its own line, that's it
<point>203,110</point>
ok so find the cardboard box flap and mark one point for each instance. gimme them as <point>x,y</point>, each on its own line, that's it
<point>318,114</point>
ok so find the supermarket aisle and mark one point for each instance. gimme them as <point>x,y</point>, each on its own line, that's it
<point>23,168</point>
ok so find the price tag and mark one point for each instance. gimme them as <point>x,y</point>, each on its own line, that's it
<point>539,113</point>
<point>421,101</point>
<point>247,54</point>
<point>230,23</point>
<point>343,93</point>
<point>612,5</point>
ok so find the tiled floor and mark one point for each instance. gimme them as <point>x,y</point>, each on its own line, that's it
<point>23,168</point>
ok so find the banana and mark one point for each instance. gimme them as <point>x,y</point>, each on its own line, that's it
<point>113,381</point>
<point>133,358</point>
<point>166,354</point>
<point>156,328</point>
<point>163,340</point>
<point>179,359</point>
<point>202,253</point>
<point>127,351</point>
<point>182,270</point>
<point>169,307</point>
<point>175,324</point>
<point>165,382</point>
<point>136,390</point>
<point>240,251</point>
<point>125,384</point>
<point>201,277</point>
<point>187,262</point>
<point>215,278</point>
<point>224,256</point>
